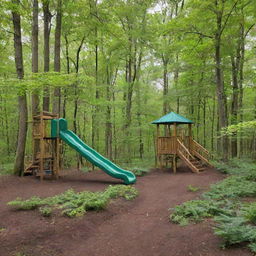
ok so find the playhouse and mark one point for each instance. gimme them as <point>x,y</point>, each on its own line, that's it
<point>49,132</point>
<point>173,143</point>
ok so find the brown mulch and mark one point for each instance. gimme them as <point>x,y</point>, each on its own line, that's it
<point>126,228</point>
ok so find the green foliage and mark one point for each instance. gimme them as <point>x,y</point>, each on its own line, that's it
<point>192,188</point>
<point>234,230</point>
<point>29,204</point>
<point>195,210</point>
<point>235,220</point>
<point>139,171</point>
<point>249,212</point>
<point>232,187</point>
<point>74,204</point>
<point>45,211</point>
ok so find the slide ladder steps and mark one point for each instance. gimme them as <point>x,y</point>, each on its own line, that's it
<point>194,164</point>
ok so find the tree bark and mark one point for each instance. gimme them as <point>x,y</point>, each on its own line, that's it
<point>22,99</point>
<point>35,96</point>
<point>57,45</point>
<point>47,29</point>
<point>234,105</point>
<point>221,97</point>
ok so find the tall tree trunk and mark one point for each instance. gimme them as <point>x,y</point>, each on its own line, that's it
<point>234,105</point>
<point>241,88</point>
<point>221,97</point>
<point>47,29</point>
<point>57,45</point>
<point>68,71</point>
<point>165,86</point>
<point>22,99</point>
<point>108,130</point>
<point>35,96</point>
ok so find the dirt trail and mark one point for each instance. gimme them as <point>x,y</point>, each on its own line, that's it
<point>135,228</point>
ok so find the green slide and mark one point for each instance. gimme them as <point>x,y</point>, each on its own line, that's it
<point>59,128</point>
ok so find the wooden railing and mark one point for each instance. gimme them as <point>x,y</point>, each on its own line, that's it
<point>183,150</point>
<point>186,156</point>
<point>166,145</point>
<point>200,152</point>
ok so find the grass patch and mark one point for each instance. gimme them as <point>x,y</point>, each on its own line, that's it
<point>235,221</point>
<point>191,188</point>
<point>74,204</point>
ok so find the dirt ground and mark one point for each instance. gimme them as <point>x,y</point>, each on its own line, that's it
<point>126,228</point>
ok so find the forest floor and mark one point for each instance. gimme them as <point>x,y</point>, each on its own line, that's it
<point>135,228</point>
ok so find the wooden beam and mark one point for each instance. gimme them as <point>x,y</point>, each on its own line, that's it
<point>189,137</point>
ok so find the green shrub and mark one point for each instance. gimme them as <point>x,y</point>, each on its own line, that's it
<point>252,247</point>
<point>29,204</point>
<point>127,192</point>
<point>249,212</point>
<point>75,204</point>
<point>234,230</point>
<point>45,211</point>
<point>192,188</point>
<point>231,187</point>
<point>195,211</point>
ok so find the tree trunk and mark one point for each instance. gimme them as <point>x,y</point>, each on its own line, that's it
<point>22,99</point>
<point>57,44</point>
<point>234,105</point>
<point>35,96</point>
<point>165,87</point>
<point>95,130</point>
<point>221,97</point>
<point>47,29</point>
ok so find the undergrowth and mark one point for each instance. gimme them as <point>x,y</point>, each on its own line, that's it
<point>73,204</point>
<point>235,219</point>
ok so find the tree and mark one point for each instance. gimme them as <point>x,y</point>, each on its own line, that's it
<point>35,96</point>
<point>22,98</point>
<point>57,66</point>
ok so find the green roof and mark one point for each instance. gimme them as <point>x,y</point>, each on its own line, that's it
<point>172,118</point>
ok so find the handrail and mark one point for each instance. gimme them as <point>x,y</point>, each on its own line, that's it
<point>200,147</point>
<point>181,147</point>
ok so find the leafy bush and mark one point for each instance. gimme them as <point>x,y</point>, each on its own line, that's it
<point>234,220</point>
<point>127,192</point>
<point>29,204</point>
<point>232,187</point>
<point>195,210</point>
<point>192,188</point>
<point>249,212</point>
<point>234,230</point>
<point>45,211</point>
<point>76,204</point>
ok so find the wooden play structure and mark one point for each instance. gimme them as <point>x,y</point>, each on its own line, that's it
<point>46,149</point>
<point>178,143</point>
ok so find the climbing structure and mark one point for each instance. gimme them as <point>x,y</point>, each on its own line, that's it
<point>178,143</point>
<point>46,149</point>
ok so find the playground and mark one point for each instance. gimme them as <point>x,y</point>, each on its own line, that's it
<point>138,227</point>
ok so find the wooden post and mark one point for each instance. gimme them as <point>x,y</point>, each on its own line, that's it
<point>175,135</point>
<point>189,137</point>
<point>174,163</point>
<point>41,154</point>
<point>157,150</point>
